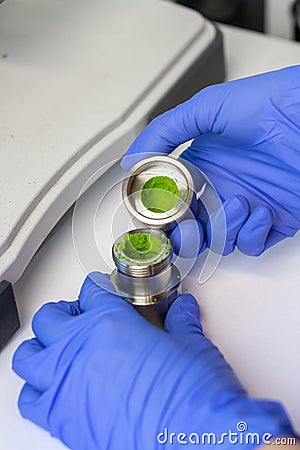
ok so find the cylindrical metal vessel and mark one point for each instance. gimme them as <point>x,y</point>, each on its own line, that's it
<point>145,275</point>
<point>152,204</point>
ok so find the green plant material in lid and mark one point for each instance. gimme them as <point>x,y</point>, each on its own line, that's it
<point>160,194</point>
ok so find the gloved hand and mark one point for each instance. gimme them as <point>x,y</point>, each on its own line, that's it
<point>247,142</point>
<point>99,376</point>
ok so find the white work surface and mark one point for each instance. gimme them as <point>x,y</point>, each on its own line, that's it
<point>250,306</point>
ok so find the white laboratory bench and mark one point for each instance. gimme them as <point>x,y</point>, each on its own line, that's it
<point>250,306</point>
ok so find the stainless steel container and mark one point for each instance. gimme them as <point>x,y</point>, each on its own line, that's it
<point>146,278</point>
<point>147,169</point>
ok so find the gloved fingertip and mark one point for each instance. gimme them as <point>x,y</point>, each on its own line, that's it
<point>62,308</point>
<point>28,405</point>
<point>228,249</point>
<point>28,395</point>
<point>253,235</point>
<point>97,289</point>
<point>236,206</point>
<point>183,316</point>
<point>26,349</point>
<point>263,215</point>
<point>23,354</point>
<point>224,224</point>
<point>185,303</point>
<point>188,239</point>
<point>50,322</point>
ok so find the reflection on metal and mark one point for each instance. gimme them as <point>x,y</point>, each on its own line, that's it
<point>142,172</point>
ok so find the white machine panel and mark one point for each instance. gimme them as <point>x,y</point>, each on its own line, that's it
<point>73,75</point>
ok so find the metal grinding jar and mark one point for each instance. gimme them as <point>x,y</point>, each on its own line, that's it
<point>144,274</point>
<point>159,192</point>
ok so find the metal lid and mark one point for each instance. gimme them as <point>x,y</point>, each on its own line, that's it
<point>142,252</point>
<point>149,169</point>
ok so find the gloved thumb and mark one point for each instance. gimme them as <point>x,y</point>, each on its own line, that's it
<point>98,291</point>
<point>183,319</point>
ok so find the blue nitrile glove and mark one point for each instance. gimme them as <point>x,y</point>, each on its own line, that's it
<point>247,142</point>
<point>99,376</point>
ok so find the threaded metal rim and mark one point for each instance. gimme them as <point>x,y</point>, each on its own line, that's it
<point>142,269</point>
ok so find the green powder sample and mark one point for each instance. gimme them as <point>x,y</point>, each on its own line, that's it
<point>139,247</point>
<point>160,194</point>
<point>140,241</point>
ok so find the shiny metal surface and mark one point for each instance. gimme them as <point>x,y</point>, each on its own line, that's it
<point>150,283</point>
<point>151,296</point>
<point>149,168</point>
<point>147,290</point>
